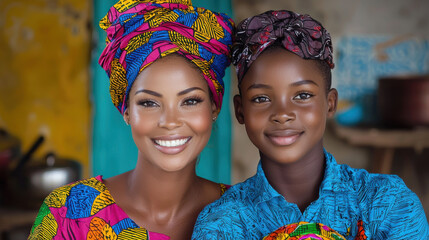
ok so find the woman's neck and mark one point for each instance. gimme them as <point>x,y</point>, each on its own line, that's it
<point>297,182</point>
<point>162,194</point>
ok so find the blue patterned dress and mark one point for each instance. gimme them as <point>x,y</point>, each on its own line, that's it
<point>353,202</point>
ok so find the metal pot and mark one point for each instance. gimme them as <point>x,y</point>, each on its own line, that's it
<point>42,177</point>
<point>32,180</point>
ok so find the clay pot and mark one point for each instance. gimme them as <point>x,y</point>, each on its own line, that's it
<point>403,101</point>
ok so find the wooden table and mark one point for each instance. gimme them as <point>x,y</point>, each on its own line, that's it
<point>383,142</point>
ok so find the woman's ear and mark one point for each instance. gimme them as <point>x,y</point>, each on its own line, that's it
<point>215,111</point>
<point>332,102</point>
<point>238,108</point>
<point>126,117</point>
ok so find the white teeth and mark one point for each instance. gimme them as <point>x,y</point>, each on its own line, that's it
<point>172,143</point>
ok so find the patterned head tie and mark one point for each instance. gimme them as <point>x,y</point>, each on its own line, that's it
<point>304,230</point>
<point>297,33</point>
<point>141,31</point>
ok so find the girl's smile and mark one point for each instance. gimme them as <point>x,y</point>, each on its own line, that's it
<point>283,137</point>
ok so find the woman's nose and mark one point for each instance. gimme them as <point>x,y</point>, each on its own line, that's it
<point>282,113</point>
<point>169,119</point>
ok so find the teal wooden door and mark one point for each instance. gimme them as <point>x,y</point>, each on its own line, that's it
<point>113,149</point>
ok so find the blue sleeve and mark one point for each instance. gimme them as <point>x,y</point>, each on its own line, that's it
<point>218,222</point>
<point>405,219</point>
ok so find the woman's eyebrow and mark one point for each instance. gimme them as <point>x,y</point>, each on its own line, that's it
<point>189,90</point>
<point>259,85</point>
<point>148,92</point>
<point>303,82</point>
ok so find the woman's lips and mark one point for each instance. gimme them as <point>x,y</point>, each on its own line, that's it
<point>171,145</point>
<point>284,138</point>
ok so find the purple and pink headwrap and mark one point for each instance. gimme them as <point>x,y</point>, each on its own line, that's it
<point>139,32</point>
<point>297,33</point>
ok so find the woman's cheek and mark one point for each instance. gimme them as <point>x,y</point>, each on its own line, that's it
<point>143,123</point>
<point>201,120</point>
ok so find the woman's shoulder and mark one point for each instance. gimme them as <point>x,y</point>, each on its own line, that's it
<point>79,192</point>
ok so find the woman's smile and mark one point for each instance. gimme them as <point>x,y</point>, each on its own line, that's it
<point>173,142</point>
<point>171,145</point>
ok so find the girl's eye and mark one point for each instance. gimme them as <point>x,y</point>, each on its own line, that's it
<point>148,103</point>
<point>303,96</point>
<point>192,101</point>
<point>260,99</point>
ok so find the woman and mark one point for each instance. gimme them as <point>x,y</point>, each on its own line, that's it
<point>165,60</point>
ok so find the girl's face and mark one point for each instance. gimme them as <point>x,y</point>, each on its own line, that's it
<point>284,106</point>
<point>170,113</point>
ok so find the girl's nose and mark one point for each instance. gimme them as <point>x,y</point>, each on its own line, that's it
<point>282,113</point>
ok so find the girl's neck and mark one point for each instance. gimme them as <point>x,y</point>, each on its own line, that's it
<point>297,182</point>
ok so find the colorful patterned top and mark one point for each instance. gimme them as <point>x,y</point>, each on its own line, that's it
<point>304,230</point>
<point>353,202</point>
<point>87,210</point>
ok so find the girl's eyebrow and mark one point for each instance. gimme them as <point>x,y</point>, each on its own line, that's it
<point>259,85</point>
<point>303,82</point>
<point>189,90</point>
<point>148,92</point>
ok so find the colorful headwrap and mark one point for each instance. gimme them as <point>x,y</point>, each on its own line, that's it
<point>304,230</point>
<point>297,33</point>
<point>140,32</point>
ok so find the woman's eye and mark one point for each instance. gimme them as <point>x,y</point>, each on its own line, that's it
<point>148,103</point>
<point>260,99</point>
<point>303,96</point>
<point>192,101</point>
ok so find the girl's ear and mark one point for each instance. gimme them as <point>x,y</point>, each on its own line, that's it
<point>126,117</point>
<point>238,107</point>
<point>332,102</point>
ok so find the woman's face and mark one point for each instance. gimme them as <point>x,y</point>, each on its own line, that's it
<point>171,113</point>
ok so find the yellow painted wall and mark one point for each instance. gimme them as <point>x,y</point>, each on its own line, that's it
<point>44,75</point>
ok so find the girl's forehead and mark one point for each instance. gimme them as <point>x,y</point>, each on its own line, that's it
<point>279,66</point>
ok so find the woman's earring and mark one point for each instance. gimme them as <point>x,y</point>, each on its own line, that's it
<point>214,118</point>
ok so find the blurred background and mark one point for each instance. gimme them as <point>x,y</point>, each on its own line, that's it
<point>58,124</point>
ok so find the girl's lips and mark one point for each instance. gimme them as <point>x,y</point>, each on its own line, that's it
<point>284,138</point>
<point>171,145</point>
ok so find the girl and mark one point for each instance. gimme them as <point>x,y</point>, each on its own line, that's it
<point>284,63</point>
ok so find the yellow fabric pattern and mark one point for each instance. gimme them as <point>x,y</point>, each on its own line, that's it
<point>207,27</point>
<point>102,201</point>
<point>130,234</point>
<point>138,41</point>
<point>46,230</point>
<point>58,197</point>
<point>118,81</point>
